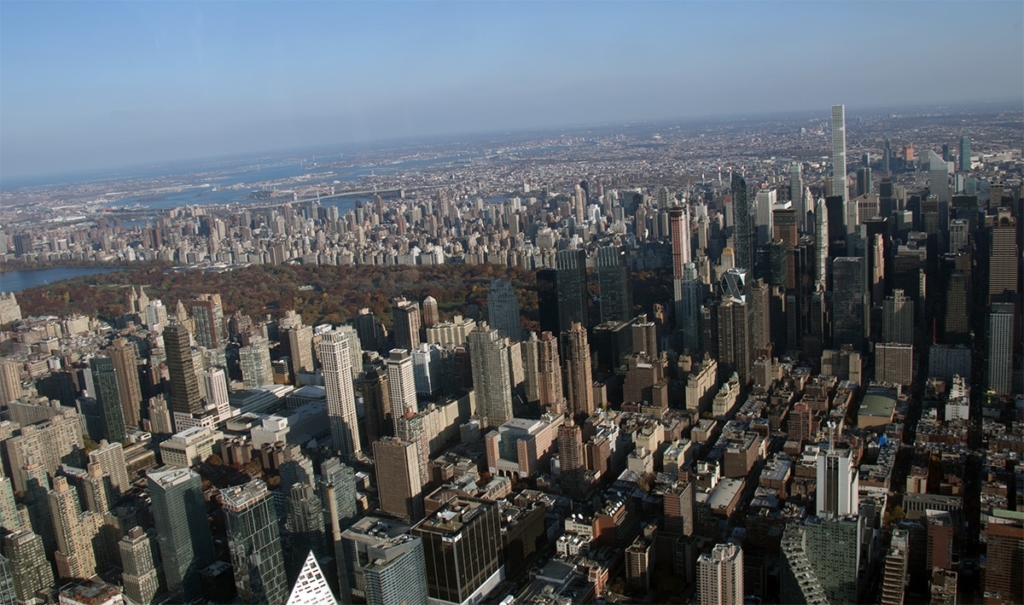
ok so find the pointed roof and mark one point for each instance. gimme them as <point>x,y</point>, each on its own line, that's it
<point>311,587</point>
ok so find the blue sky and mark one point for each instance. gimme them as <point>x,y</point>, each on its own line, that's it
<point>94,85</point>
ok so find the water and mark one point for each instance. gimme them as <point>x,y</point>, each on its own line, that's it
<point>16,281</point>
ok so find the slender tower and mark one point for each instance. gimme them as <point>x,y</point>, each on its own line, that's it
<point>820,245</point>
<point>341,398</point>
<point>839,151</point>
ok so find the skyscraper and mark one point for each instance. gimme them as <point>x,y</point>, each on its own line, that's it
<point>398,573</point>
<point>503,309</point>
<point>124,356</point>
<point>613,279</point>
<point>898,318</point>
<point>965,153</point>
<point>1005,256</point>
<point>209,321</point>
<point>1003,563</point>
<point>179,513</point>
<point>110,457</point>
<point>549,374</point>
<point>342,478</point>
<point>743,234</point>
<point>938,177</point>
<point>401,385</point>
<point>492,380</point>
<point>299,342</point>
<point>461,545</point>
<point>255,544</point>
<point>397,465</point>
<point>406,316</point>
<point>547,300</point>
<point>108,396</point>
<point>376,402</point>
<point>139,576</point>
<point>75,556</point>
<point>30,570</point>
<point>430,313</point>
<point>311,587</point>
<point>10,381</point>
<point>838,483</point>
<point>572,287</point>
<point>255,362</point>
<point>821,561</point>
<point>186,397</point>
<point>578,371</point>
<point>341,398</point>
<point>720,576</point>
<point>850,302</point>
<point>796,195</point>
<point>839,152</point>
<point>571,462</point>
<point>1000,348</point>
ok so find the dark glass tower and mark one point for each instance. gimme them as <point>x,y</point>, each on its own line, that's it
<point>613,277</point>
<point>850,302</point>
<point>461,541</point>
<point>547,300</point>
<point>104,379</point>
<point>743,236</point>
<point>185,395</point>
<point>572,288</point>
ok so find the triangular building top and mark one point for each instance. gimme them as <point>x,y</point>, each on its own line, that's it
<point>311,587</point>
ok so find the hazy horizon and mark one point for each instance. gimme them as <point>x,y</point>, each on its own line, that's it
<point>87,87</point>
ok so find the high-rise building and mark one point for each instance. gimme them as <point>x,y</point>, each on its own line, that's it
<point>185,398</point>
<point>849,301</point>
<point>547,300</point>
<point>376,402</point>
<point>743,214</point>
<point>821,561</point>
<point>397,464</point>
<point>215,382</point>
<point>965,153</point>
<point>139,577</point>
<point>839,152</point>
<point>796,195</point>
<point>614,282</point>
<point>49,444</point>
<point>209,321</point>
<point>10,381</point>
<point>341,398</point>
<point>311,587</point>
<point>492,379</point>
<point>406,316</point>
<point>179,513</point>
<point>548,373</point>
<point>299,342</point>
<point>572,287</point>
<point>1000,348</point>
<point>124,356</point>
<point>30,571</point>
<point>371,332</point>
<point>838,483</point>
<point>938,177</point>
<point>821,242</point>
<point>75,556</point>
<point>401,385</point>
<point>578,371</point>
<point>571,461</point>
<point>461,546</point>
<point>255,362</point>
<point>894,363</point>
<point>898,318</point>
<point>895,568</point>
<point>431,316</point>
<point>735,326</point>
<point>108,397</point>
<point>1003,262</point>
<point>341,478</point>
<point>720,576</point>
<point>110,457</point>
<point>398,573</point>
<point>1003,559</point>
<point>255,545</point>
<point>503,309</point>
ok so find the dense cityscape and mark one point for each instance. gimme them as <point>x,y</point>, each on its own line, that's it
<point>750,360</point>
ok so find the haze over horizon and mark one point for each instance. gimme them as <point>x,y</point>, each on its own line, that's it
<point>88,86</point>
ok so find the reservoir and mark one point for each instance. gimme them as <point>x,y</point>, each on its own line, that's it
<point>16,281</point>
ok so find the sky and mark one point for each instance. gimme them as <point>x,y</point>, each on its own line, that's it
<point>87,85</point>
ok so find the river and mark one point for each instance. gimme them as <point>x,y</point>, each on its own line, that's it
<point>16,281</point>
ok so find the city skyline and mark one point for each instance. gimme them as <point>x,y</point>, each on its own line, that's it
<point>215,80</point>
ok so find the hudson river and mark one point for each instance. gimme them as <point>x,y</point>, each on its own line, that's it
<point>16,281</point>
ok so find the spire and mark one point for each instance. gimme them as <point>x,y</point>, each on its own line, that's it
<point>311,587</point>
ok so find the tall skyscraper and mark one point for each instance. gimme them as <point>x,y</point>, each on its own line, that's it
<point>104,379</point>
<point>571,460</point>
<point>140,576</point>
<point>898,318</point>
<point>401,385</point>
<point>547,300</point>
<point>838,483</point>
<point>821,241</point>
<point>215,382</point>
<point>110,457</point>
<point>75,556</point>
<point>821,561</point>
<point>406,316</point>
<point>720,576</point>
<point>255,362</point>
<point>10,381</point>
<point>342,479</point>
<point>503,309</point>
<point>938,177</point>
<point>125,357</point>
<point>850,302</point>
<point>311,587</point>
<point>578,371</point>
<point>179,513</point>
<point>209,321</point>
<point>397,464</point>
<point>399,573</point>
<point>492,379</point>
<point>255,545</point>
<point>965,153</point>
<point>430,315</point>
<point>894,569</point>
<point>305,525</point>
<point>30,570</point>
<point>839,152</point>
<point>461,543</point>
<point>186,398</point>
<point>1005,256</point>
<point>572,287</point>
<point>743,214</point>
<point>299,342</point>
<point>341,397</point>
<point>796,195</point>
<point>614,282</point>
<point>688,309</point>
<point>1004,555</point>
<point>548,374</point>
<point>1000,348</point>
<point>376,402</point>
<point>735,319</point>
